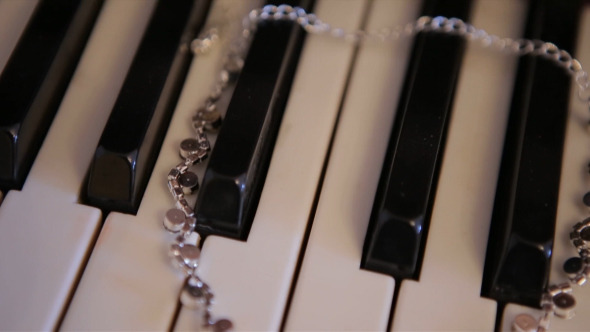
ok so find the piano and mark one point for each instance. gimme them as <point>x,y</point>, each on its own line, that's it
<point>68,265</point>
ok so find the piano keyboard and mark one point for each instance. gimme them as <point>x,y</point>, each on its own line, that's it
<point>67,265</point>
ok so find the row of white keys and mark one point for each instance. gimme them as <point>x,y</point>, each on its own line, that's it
<point>332,292</point>
<point>44,233</point>
<point>14,16</point>
<point>252,279</point>
<point>448,290</point>
<point>573,185</point>
<point>129,282</point>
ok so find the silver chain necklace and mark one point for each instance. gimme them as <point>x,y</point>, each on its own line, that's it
<point>557,300</point>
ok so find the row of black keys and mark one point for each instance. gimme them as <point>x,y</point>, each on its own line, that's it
<point>522,229</point>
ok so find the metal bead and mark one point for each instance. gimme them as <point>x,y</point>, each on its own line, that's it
<point>190,255</point>
<point>173,184</point>
<point>233,64</point>
<point>579,279</point>
<point>189,146</point>
<point>544,322</point>
<point>185,256</point>
<point>175,189</point>
<point>202,137</point>
<point>578,243</point>
<point>188,228</point>
<point>573,266</point>
<point>554,290</point>
<point>196,294</point>
<point>564,305</point>
<point>197,157</point>
<point>586,199</point>
<point>189,182</point>
<point>580,235</point>
<point>187,210</point>
<point>180,239</point>
<point>177,193</point>
<point>173,174</point>
<point>174,220</point>
<point>547,307</point>
<point>182,167</point>
<point>177,261</point>
<point>222,325</point>
<point>215,94</point>
<point>547,299</point>
<point>565,287</point>
<point>203,44</point>
<point>524,323</point>
<point>205,145</point>
<point>224,78</point>
<point>210,120</point>
<point>574,235</point>
<point>182,204</point>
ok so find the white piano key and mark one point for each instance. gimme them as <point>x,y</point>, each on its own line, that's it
<point>14,16</point>
<point>252,279</point>
<point>129,282</point>
<point>452,268</point>
<point>573,185</point>
<point>44,233</point>
<point>332,292</point>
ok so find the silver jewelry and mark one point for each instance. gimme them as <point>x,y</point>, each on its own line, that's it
<point>557,300</point>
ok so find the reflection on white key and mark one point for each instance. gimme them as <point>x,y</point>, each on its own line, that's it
<point>129,282</point>
<point>14,16</point>
<point>44,233</point>
<point>448,291</point>
<point>252,279</point>
<point>332,292</point>
<point>573,185</point>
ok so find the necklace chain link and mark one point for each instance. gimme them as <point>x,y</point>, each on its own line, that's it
<point>180,220</point>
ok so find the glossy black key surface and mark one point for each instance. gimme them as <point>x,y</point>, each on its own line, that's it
<point>237,168</point>
<point>401,211</point>
<point>133,135</point>
<point>35,79</point>
<point>521,236</point>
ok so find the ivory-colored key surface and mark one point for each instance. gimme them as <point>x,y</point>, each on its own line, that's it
<point>44,233</point>
<point>129,282</point>
<point>252,279</point>
<point>332,292</point>
<point>14,16</point>
<point>452,268</point>
<point>573,185</point>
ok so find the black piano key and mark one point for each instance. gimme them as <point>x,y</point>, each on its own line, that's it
<point>132,137</point>
<point>403,203</point>
<point>518,256</point>
<point>35,79</point>
<point>233,181</point>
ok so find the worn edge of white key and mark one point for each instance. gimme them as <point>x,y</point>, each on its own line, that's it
<point>332,292</point>
<point>14,16</point>
<point>129,283</point>
<point>448,290</point>
<point>570,209</point>
<point>44,233</point>
<point>252,279</point>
